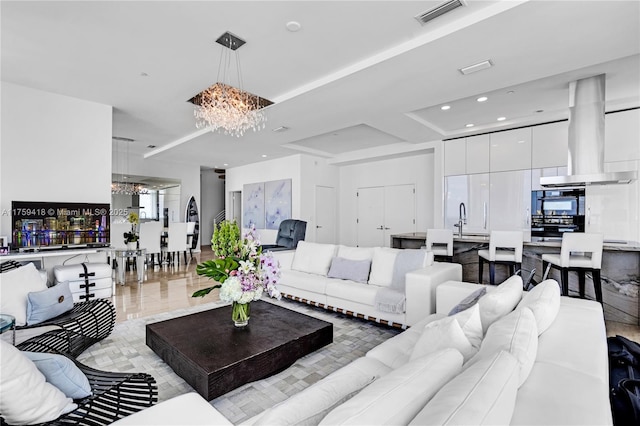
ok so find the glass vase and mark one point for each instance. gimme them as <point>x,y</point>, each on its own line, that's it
<point>240,313</point>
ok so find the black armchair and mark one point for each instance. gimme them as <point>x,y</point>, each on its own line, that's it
<point>289,233</point>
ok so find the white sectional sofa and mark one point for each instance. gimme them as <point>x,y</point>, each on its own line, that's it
<point>306,275</point>
<point>541,360</point>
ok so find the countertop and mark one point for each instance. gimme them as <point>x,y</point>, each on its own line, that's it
<point>610,245</point>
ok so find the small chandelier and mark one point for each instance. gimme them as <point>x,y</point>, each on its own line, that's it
<point>223,107</point>
<point>121,187</point>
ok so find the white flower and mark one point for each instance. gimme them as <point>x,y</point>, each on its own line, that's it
<point>246,297</point>
<point>246,267</point>
<point>231,291</point>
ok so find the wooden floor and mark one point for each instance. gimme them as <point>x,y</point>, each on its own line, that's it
<point>167,288</point>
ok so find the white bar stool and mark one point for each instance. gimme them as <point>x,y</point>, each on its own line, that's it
<point>581,253</point>
<point>505,248</point>
<point>440,242</point>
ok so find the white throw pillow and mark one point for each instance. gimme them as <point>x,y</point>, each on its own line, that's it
<point>25,396</point>
<point>15,285</point>
<point>382,264</point>
<point>313,258</point>
<point>443,334</point>
<point>499,302</point>
<point>471,325</point>
<point>398,396</point>
<point>355,253</point>
<point>484,394</point>
<point>544,302</point>
<point>516,333</point>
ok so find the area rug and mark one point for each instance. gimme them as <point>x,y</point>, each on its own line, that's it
<point>125,350</point>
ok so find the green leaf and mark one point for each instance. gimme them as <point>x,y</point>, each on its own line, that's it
<point>203,292</point>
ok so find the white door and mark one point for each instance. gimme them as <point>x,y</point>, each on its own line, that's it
<point>371,217</point>
<point>325,215</point>
<point>236,207</point>
<point>399,211</point>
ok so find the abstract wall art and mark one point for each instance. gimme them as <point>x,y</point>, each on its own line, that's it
<point>277,202</point>
<point>266,204</point>
<point>253,205</point>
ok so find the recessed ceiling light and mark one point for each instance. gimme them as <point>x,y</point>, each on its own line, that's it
<point>264,155</point>
<point>502,118</point>
<point>482,99</point>
<point>445,107</point>
<point>293,26</point>
<point>225,164</point>
<point>469,125</point>
<point>511,92</point>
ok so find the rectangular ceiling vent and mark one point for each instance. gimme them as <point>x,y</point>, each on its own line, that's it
<point>439,10</point>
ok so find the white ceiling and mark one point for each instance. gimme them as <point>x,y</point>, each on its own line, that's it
<point>358,75</point>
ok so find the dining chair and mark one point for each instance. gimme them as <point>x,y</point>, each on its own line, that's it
<point>505,248</point>
<point>150,237</point>
<point>191,228</point>
<point>116,239</point>
<point>176,241</point>
<point>440,242</point>
<point>579,252</point>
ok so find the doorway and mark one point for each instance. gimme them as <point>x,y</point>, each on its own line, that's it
<point>326,214</point>
<point>384,211</point>
<point>236,207</point>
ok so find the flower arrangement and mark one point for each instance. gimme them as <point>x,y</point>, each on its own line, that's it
<point>242,271</point>
<point>132,236</point>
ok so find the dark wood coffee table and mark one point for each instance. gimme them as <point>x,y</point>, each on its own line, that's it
<point>215,357</point>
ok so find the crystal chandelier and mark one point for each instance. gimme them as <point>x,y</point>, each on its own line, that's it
<point>121,186</point>
<point>223,107</point>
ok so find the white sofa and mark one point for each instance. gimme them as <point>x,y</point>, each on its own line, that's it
<point>304,277</point>
<point>559,377</point>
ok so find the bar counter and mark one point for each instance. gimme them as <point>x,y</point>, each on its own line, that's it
<point>620,269</point>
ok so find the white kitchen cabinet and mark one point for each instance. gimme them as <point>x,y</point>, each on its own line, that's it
<point>478,154</point>
<point>622,136</point>
<point>510,202</point>
<point>613,210</point>
<point>473,191</point>
<point>510,150</point>
<point>550,145</point>
<point>455,156</point>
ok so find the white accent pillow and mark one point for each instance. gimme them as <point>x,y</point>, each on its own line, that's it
<point>443,334</point>
<point>312,404</point>
<point>382,264</point>
<point>15,285</point>
<point>355,253</point>
<point>499,302</point>
<point>484,394</point>
<point>471,325</point>
<point>544,302</point>
<point>313,258</point>
<point>398,396</point>
<point>516,333</point>
<point>25,396</point>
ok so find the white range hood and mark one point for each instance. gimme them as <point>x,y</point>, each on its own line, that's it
<point>586,139</point>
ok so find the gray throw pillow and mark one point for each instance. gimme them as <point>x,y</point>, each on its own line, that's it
<point>62,373</point>
<point>347,269</point>
<point>49,303</point>
<point>468,301</point>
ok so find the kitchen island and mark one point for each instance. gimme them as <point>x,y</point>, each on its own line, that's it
<point>620,268</point>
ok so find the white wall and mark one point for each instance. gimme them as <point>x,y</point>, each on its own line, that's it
<point>52,148</point>
<point>417,170</point>
<point>212,196</point>
<point>305,172</point>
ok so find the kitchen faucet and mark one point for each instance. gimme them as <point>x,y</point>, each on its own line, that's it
<point>462,218</point>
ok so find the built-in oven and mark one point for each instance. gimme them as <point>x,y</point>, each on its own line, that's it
<point>554,212</point>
